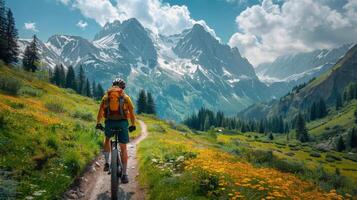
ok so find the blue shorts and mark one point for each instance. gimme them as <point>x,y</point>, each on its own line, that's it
<point>123,136</point>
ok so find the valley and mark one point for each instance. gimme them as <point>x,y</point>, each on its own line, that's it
<point>267,113</point>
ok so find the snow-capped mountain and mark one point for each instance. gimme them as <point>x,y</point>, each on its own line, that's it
<point>290,65</point>
<point>183,71</point>
<point>294,69</point>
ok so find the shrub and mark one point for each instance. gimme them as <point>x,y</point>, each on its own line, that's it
<point>2,121</point>
<point>288,166</point>
<point>315,154</point>
<point>352,157</point>
<point>10,85</point>
<point>30,91</point>
<point>259,156</point>
<point>209,183</point>
<point>52,143</point>
<point>87,116</point>
<point>330,156</point>
<point>17,105</point>
<point>73,163</point>
<point>55,107</point>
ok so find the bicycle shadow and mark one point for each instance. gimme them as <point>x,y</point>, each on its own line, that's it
<point>122,195</point>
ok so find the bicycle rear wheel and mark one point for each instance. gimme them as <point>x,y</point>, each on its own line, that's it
<point>114,174</point>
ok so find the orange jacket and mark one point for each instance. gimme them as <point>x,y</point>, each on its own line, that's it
<point>128,105</point>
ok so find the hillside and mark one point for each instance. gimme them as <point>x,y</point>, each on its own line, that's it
<point>177,163</point>
<point>327,86</point>
<point>46,136</point>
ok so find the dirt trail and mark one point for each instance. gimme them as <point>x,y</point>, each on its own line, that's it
<point>95,184</point>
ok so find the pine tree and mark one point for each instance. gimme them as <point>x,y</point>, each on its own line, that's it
<point>88,91</point>
<point>313,111</point>
<point>3,42</point>
<point>141,102</point>
<point>338,102</point>
<point>301,131</point>
<point>31,58</point>
<point>12,48</point>
<point>62,76</point>
<point>55,78</point>
<point>94,89</point>
<point>71,79</point>
<point>150,109</point>
<point>100,91</point>
<point>340,145</point>
<point>353,138</point>
<point>322,109</point>
<point>261,127</point>
<point>81,81</point>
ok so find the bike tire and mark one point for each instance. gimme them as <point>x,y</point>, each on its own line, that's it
<point>114,174</point>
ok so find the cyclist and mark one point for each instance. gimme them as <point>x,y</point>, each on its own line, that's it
<point>116,107</point>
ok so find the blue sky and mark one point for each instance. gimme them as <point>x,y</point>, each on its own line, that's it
<point>261,29</point>
<point>53,17</point>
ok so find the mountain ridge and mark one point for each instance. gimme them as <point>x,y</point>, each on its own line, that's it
<point>187,70</point>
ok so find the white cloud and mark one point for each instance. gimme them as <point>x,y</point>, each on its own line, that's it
<point>65,2</point>
<point>268,30</point>
<point>31,26</point>
<point>82,24</point>
<point>159,17</point>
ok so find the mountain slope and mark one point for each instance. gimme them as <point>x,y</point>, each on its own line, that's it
<point>184,71</point>
<point>289,71</point>
<point>327,86</point>
<point>285,67</point>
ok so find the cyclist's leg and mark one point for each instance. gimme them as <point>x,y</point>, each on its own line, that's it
<point>106,149</point>
<point>124,157</point>
<point>123,138</point>
<point>108,135</point>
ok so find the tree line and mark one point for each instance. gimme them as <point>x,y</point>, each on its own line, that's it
<point>9,49</point>
<point>206,119</point>
<point>145,103</point>
<point>79,83</point>
<point>318,110</point>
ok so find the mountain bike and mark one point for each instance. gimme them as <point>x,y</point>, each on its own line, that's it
<point>115,165</point>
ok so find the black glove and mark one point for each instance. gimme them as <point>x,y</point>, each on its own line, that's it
<point>99,126</point>
<point>132,128</point>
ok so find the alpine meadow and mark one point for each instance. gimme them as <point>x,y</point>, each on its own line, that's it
<point>178,100</point>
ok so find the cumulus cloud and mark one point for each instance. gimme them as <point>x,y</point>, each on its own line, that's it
<point>159,17</point>
<point>82,24</point>
<point>268,30</point>
<point>65,2</point>
<point>31,26</point>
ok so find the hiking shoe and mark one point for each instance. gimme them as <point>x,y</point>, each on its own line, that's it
<point>106,167</point>
<point>124,179</point>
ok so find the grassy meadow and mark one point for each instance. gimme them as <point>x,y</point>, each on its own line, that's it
<point>176,163</point>
<point>47,135</point>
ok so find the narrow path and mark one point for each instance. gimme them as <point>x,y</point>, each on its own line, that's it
<point>95,184</point>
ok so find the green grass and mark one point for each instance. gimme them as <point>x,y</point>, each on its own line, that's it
<point>43,145</point>
<point>343,118</point>
<point>164,182</point>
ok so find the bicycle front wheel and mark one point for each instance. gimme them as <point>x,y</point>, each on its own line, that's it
<point>114,174</point>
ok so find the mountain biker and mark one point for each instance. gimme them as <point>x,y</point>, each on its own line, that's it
<point>116,107</point>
